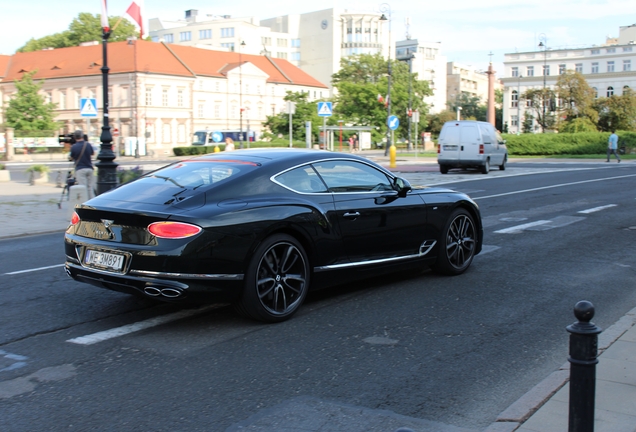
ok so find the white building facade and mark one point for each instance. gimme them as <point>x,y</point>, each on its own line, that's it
<point>609,69</point>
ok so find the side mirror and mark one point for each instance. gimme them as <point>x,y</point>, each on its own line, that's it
<point>402,186</point>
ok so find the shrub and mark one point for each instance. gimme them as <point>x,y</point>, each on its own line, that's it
<point>2,166</point>
<point>583,143</point>
<point>38,169</point>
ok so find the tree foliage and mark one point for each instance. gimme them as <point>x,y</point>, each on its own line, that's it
<point>577,97</point>
<point>85,28</point>
<point>27,110</point>
<point>543,106</point>
<point>617,112</point>
<point>364,79</point>
<point>305,111</point>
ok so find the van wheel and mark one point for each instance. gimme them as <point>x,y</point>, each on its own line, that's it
<point>485,169</point>
<point>502,167</point>
<point>443,169</point>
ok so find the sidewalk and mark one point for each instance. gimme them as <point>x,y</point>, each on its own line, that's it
<point>37,209</point>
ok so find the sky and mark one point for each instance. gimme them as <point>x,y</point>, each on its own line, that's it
<point>469,30</point>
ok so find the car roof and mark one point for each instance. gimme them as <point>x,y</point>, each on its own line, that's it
<point>275,156</point>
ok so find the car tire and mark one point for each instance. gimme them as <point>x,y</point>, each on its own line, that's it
<point>502,167</point>
<point>485,168</point>
<point>443,169</point>
<point>276,281</point>
<point>458,244</point>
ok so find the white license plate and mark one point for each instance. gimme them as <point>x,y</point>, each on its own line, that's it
<point>450,147</point>
<point>104,260</point>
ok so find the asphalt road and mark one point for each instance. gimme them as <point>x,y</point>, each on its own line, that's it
<point>413,349</point>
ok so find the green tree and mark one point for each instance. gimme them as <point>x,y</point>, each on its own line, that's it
<point>27,110</point>
<point>577,96</point>
<point>85,28</point>
<point>528,123</point>
<point>542,106</point>
<point>359,82</point>
<point>471,109</point>
<point>436,121</point>
<point>305,111</point>
<point>617,112</point>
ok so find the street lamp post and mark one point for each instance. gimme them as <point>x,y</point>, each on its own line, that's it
<point>458,110</point>
<point>106,168</point>
<point>386,8</point>
<point>543,44</point>
<point>519,104</point>
<point>241,45</point>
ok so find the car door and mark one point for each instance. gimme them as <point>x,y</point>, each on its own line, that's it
<point>374,222</point>
<point>449,142</point>
<point>470,140</point>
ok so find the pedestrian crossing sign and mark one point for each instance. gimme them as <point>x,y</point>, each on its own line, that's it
<point>324,109</point>
<point>88,107</point>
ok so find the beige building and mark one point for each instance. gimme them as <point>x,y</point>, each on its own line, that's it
<point>160,93</point>
<point>463,79</point>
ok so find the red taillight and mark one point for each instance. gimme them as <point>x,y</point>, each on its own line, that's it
<point>173,230</point>
<point>439,147</point>
<point>75,219</point>
<point>481,149</point>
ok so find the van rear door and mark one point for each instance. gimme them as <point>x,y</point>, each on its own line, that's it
<point>469,143</point>
<point>449,142</point>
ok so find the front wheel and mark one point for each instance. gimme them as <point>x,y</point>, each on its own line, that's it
<point>485,168</point>
<point>277,280</point>
<point>502,167</point>
<point>457,246</point>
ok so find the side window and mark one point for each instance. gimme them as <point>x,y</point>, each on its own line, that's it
<point>303,180</point>
<point>485,134</point>
<point>500,139</point>
<point>349,176</point>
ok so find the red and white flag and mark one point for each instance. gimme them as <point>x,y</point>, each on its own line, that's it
<point>105,24</point>
<point>380,98</point>
<point>136,12</point>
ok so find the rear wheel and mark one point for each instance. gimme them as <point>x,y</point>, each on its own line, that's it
<point>277,280</point>
<point>485,168</point>
<point>457,246</point>
<point>443,169</point>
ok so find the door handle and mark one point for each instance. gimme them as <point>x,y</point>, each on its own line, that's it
<point>351,215</point>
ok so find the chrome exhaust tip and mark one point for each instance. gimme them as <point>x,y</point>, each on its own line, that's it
<point>152,291</point>
<point>171,292</point>
<point>68,272</point>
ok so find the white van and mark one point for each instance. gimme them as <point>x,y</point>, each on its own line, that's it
<point>470,144</point>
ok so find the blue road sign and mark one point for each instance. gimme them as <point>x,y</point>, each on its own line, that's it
<point>324,109</point>
<point>393,122</point>
<point>88,107</point>
<point>217,136</point>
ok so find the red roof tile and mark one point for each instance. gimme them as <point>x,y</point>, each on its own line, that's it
<point>157,58</point>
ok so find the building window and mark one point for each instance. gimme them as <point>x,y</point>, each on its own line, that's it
<point>578,67</point>
<point>626,89</point>
<point>610,91</point>
<point>530,71</point>
<point>123,96</point>
<point>201,110</point>
<point>155,38</point>
<point>168,38</point>
<point>267,41</point>
<point>164,97</point>
<point>217,86</point>
<point>185,36</point>
<point>62,100</point>
<point>610,66</point>
<point>180,97</point>
<point>258,89</point>
<point>48,97</point>
<point>148,96</point>
<point>227,32</point>
<point>233,111</point>
<point>78,97</point>
<point>595,67</point>
<point>514,72</point>
<point>217,110</point>
<point>281,55</point>
<point>205,34</point>
<point>514,99</point>
<point>295,56</point>
<point>627,49</point>
<point>546,70</point>
<point>260,112</point>
<point>514,120</point>
<point>627,65</point>
<point>595,92</point>
<point>561,69</point>
<point>229,46</point>
<point>610,50</point>
<point>295,43</point>
<point>280,42</point>
<point>247,89</point>
<point>596,51</point>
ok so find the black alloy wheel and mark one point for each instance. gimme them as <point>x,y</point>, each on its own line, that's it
<point>457,248</point>
<point>277,280</point>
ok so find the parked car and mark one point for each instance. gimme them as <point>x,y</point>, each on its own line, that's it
<point>260,228</point>
<point>470,144</point>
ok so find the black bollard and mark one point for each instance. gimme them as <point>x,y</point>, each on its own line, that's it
<point>583,360</point>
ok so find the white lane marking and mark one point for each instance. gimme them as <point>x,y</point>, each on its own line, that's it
<point>519,228</point>
<point>595,209</point>
<point>553,186</point>
<point>142,325</point>
<point>34,269</point>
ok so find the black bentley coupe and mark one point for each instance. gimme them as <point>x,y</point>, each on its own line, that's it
<point>259,228</point>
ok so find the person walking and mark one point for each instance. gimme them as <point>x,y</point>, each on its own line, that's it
<point>612,145</point>
<point>81,153</point>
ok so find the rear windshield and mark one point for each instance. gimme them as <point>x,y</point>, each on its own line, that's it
<point>194,174</point>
